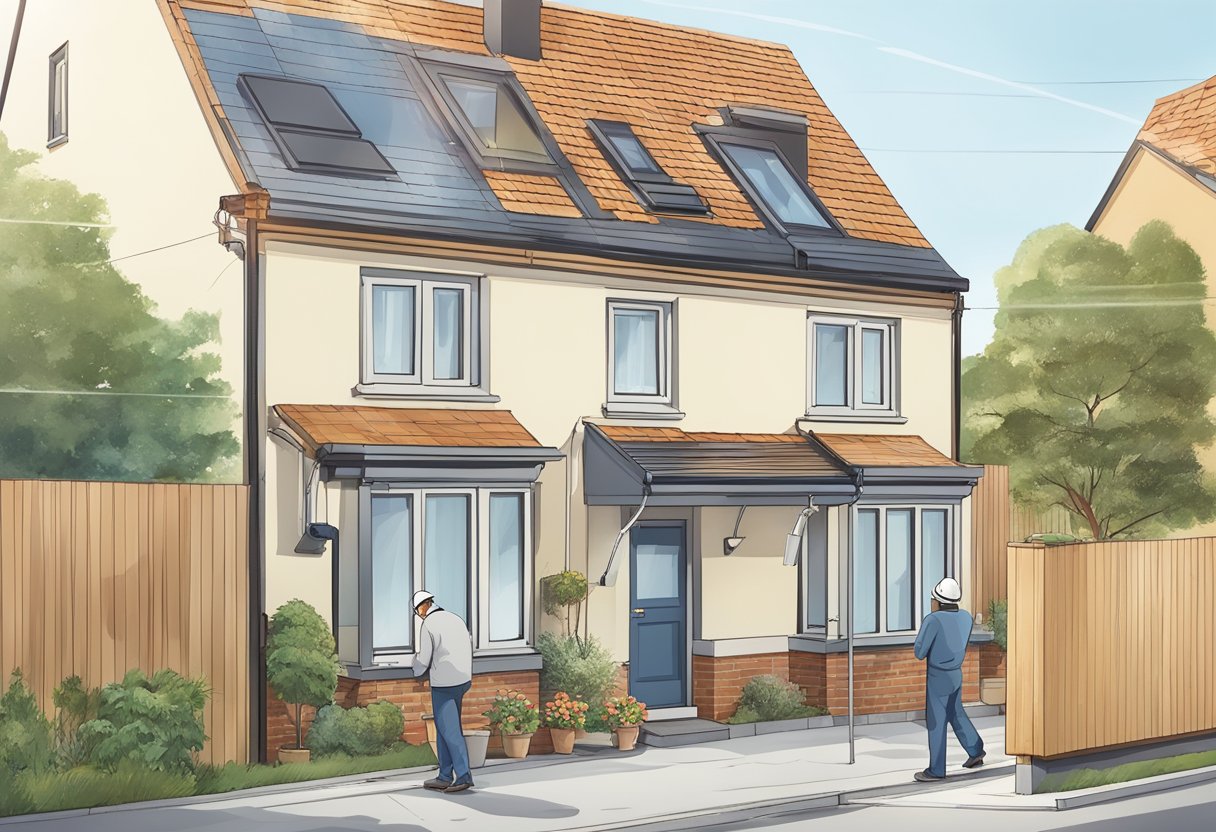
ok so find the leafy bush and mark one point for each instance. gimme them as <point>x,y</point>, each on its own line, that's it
<point>301,664</point>
<point>75,705</point>
<point>25,733</point>
<point>513,713</point>
<point>130,781</point>
<point>156,722</point>
<point>998,622</point>
<point>768,698</point>
<point>562,592</point>
<point>358,732</point>
<point>579,667</point>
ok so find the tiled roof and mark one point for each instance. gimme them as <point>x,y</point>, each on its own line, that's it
<point>526,193</point>
<point>618,433</point>
<point>660,78</point>
<point>1183,125</point>
<point>344,425</point>
<point>883,451</point>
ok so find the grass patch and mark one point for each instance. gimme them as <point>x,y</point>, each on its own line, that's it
<point>234,776</point>
<point>85,787</point>
<point>1087,778</point>
<point>745,715</point>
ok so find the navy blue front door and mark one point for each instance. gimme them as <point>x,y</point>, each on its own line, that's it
<point>658,616</point>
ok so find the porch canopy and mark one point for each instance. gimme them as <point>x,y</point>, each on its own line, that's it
<point>901,467</point>
<point>422,445</point>
<point>704,469</point>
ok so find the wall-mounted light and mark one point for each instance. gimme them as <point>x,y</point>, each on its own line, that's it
<point>793,540</point>
<point>730,544</point>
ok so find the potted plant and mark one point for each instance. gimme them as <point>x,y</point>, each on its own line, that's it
<point>992,688</point>
<point>563,717</point>
<point>515,717</point>
<point>301,666</point>
<point>625,715</point>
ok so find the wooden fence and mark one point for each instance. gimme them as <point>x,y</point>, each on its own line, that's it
<point>1110,644</point>
<point>97,578</point>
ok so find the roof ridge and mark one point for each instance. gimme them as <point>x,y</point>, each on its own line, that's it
<point>1181,93</point>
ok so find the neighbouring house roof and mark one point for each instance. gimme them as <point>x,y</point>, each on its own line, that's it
<point>869,450</point>
<point>662,80</point>
<point>320,425</point>
<point>1184,126</point>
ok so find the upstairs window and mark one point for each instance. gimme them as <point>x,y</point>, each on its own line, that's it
<point>492,115</point>
<point>656,190</point>
<point>312,130</point>
<point>771,182</point>
<point>852,367</point>
<point>57,98</point>
<point>639,356</point>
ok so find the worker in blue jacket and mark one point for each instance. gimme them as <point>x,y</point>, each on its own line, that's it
<point>942,643</point>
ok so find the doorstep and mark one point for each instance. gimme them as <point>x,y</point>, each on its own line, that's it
<point>678,732</point>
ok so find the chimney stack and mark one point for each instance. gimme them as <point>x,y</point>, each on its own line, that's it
<point>512,27</point>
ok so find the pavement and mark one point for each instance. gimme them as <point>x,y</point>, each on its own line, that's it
<point>598,789</point>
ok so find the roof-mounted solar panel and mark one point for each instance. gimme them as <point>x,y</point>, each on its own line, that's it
<point>315,150</point>
<point>287,103</point>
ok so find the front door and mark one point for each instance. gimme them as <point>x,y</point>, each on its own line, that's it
<point>658,617</point>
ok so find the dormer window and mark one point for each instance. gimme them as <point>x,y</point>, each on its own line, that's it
<point>655,189</point>
<point>312,131</point>
<point>770,181</point>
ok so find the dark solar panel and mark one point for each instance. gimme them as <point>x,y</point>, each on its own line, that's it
<point>297,104</point>
<point>313,150</point>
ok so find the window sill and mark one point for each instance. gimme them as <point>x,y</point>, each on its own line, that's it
<point>639,410</point>
<point>57,141</point>
<point>814,643</point>
<point>418,392</point>
<point>858,418</point>
<point>511,660</point>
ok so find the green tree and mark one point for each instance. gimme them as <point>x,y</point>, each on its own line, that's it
<point>301,664</point>
<point>70,321</point>
<point>1095,388</point>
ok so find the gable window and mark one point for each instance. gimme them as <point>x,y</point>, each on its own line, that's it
<point>420,329</point>
<point>852,366</point>
<point>470,547</point>
<point>57,98</point>
<point>310,128</point>
<point>899,554</point>
<point>655,189</point>
<point>771,182</point>
<point>639,356</point>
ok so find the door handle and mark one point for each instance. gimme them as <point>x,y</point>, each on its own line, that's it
<point>639,611</point>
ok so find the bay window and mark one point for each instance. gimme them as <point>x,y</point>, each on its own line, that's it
<point>899,554</point>
<point>851,366</point>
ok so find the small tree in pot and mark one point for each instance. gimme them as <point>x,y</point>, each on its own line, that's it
<point>301,665</point>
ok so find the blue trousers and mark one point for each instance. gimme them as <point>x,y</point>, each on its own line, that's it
<point>944,706</point>
<point>449,736</point>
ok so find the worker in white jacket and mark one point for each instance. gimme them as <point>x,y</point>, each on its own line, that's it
<point>445,651</point>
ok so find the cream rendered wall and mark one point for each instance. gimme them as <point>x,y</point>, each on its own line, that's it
<point>741,366</point>
<point>1154,189</point>
<point>137,137</point>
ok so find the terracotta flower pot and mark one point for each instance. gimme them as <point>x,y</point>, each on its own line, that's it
<point>992,691</point>
<point>294,755</point>
<point>516,745</point>
<point>432,733</point>
<point>580,734</point>
<point>563,740</point>
<point>627,736</point>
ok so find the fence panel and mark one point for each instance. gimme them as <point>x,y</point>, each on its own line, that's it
<point>97,578</point>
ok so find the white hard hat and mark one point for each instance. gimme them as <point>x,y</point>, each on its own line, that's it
<point>421,597</point>
<point>948,591</point>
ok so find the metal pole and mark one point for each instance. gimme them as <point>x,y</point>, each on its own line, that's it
<point>849,625</point>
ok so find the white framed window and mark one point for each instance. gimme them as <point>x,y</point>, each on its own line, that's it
<point>57,97</point>
<point>639,353</point>
<point>469,546</point>
<point>852,366</point>
<point>420,329</point>
<point>900,552</point>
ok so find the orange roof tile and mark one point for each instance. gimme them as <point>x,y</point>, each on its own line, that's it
<point>618,433</point>
<point>332,424</point>
<point>892,451</point>
<point>527,193</point>
<point>661,79</point>
<point>1184,125</point>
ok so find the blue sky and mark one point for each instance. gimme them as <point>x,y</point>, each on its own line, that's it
<point>881,66</point>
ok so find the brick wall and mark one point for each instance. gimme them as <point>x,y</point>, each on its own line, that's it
<point>717,681</point>
<point>888,679</point>
<point>992,661</point>
<point>810,672</point>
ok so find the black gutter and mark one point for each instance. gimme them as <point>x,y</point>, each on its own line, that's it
<point>254,477</point>
<point>12,55</point>
<point>956,381</point>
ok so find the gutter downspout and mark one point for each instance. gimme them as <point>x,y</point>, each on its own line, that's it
<point>254,477</point>
<point>956,327</point>
<point>610,570</point>
<point>12,55</point>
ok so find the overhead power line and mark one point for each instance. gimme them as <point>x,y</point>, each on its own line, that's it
<point>13,221</point>
<point>1122,81</point>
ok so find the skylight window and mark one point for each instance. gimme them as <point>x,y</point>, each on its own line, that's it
<point>491,116</point>
<point>771,182</point>
<point>312,130</point>
<point>638,168</point>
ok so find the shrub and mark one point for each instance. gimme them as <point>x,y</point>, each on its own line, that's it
<point>358,732</point>
<point>562,592</point>
<point>998,622</point>
<point>580,667</point>
<point>75,705</point>
<point>767,698</point>
<point>155,722</point>
<point>25,733</point>
<point>85,787</point>
<point>623,711</point>
<point>564,712</point>
<point>301,664</point>
<point>513,713</point>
